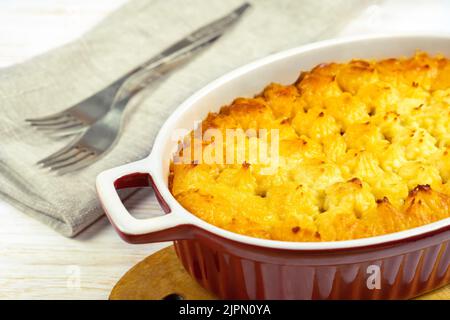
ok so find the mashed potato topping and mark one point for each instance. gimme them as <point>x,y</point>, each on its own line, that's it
<point>363,150</point>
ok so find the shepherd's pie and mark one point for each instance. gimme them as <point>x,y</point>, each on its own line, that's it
<point>363,150</point>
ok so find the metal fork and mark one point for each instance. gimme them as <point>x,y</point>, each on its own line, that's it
<point>76,118</point>
<point>87,147</point>
<point>99,137</point>
<point>85,113</point>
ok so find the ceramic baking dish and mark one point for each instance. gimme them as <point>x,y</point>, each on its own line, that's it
<point>394,266</point>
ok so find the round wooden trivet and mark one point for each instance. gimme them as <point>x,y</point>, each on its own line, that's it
<point>161,276</point>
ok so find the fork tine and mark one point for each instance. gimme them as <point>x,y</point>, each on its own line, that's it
<point>61,126</point>
<point>63,157</point>
<point>50,118</point>
<point>91,158</point>
<point>57,153</point>
<point>63,133</point>
<point>53,122</point>
<point>71,161</point>
<point>48,122</point>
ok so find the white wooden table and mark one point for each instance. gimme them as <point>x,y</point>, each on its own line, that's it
<point>35,261</point>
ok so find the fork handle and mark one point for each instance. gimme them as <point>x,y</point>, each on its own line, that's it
<point>143,77</point>
<point>177,52</point>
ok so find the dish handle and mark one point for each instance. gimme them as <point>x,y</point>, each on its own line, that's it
<point>157,229</point>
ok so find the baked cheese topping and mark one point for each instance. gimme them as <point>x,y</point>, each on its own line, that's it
<point>362,150</point>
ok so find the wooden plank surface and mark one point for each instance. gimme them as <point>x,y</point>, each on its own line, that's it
<point>30,27</point>
<point>38,263</point>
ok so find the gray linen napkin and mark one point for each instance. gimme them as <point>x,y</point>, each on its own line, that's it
<point>125,39</point>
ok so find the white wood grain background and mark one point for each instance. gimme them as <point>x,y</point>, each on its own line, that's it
<point>36,262</point>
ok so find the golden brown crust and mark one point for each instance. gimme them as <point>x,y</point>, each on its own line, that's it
<point>364,150</point>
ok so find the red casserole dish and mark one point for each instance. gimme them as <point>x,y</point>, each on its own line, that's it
<point>394,266</point>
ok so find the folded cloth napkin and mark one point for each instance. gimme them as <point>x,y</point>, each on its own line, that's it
<point>125,39</point>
